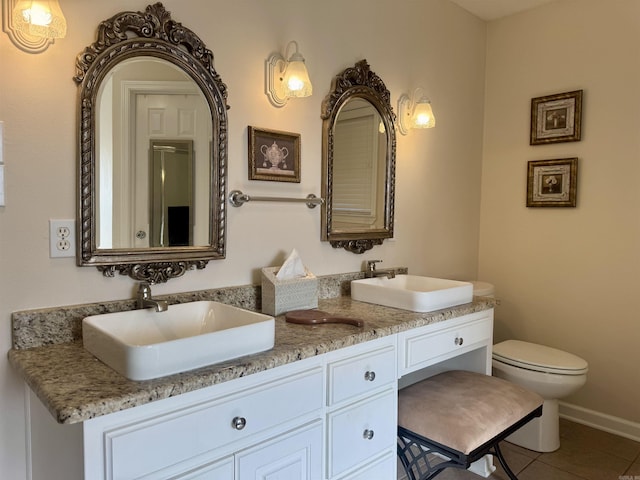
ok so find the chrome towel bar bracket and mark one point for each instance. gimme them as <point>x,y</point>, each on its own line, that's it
<point>237,199</point>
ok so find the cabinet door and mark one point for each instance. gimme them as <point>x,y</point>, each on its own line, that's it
<point>386,467</point>
<point>220,470</point>
<point>295,455</point>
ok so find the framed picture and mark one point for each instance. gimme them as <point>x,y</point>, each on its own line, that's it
<point>556,118</point>
<point>273,155</point>
<point>552,183</point>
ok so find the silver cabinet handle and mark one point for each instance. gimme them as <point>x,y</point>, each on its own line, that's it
<point>459,340</point>
<point>370,376</point>
<point>367,434</point>
<point>239,423</point>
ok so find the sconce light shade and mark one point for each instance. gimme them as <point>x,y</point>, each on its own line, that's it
<point>423,115</point>
<point>286,79</point>
<point>414,113</point>
<point>25,22</point>
<point>40,18</point>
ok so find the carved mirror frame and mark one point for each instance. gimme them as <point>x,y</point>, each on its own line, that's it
<point>357,82</point>
<point>152,33</point>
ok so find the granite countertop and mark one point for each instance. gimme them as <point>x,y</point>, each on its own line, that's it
<point>75,386</point>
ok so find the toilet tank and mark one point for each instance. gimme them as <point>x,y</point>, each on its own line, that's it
<point>483,289</point>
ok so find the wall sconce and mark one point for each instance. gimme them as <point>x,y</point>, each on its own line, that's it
<point>286,78</point>
<point>32,25</point>
<point>414,113</point>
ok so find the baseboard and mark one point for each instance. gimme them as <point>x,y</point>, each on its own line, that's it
<point>601,421</point>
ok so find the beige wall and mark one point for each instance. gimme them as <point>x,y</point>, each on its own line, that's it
<point>568,277</point>
<point>410,43</point>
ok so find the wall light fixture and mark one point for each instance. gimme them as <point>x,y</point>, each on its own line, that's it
<point>286,79</point>
<point>415,112</point>
<point>32,25</point>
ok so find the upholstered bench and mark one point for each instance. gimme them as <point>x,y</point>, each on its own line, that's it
<point>459,416</point>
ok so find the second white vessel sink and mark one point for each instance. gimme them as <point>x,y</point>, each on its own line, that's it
<point>145,344</point>
<point>412,292</point>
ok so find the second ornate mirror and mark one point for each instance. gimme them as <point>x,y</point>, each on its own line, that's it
<point>358,161</point>
<point>153,149</point>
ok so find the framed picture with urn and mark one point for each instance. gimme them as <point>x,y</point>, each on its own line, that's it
<point>274,155</point>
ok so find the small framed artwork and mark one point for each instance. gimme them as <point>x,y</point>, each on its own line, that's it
<point>274,155</point>
<point>552,183</point>
<point>556,118</point>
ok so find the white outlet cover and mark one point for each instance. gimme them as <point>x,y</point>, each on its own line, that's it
<point>60,245</point>
<point>1,142</point>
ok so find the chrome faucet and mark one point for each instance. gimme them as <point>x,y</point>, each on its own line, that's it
<point>145,300</point>
<point>372,272</point>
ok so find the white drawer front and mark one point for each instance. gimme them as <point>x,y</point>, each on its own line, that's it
<point>158,442</point>
<point>361,431</point>
<point>424,349</point>
<point>361,374</point>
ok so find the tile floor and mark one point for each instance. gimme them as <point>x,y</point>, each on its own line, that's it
<point>585,454</point>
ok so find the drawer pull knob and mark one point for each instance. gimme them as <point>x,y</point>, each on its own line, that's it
<point>370,376</point>
<point>367,434</point>
<point>239,423</point>
<point>459,340</point>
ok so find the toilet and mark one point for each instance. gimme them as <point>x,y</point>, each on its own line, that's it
<point>550,372</point>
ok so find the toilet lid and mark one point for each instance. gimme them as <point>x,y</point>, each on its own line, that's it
<point>539,358</point>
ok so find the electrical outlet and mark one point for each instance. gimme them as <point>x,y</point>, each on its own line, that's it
<point>62,241</point>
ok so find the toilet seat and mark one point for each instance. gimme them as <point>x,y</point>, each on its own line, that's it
<point>539,358</point>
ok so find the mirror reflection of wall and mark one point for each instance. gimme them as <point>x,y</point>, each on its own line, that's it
<point>145,99</point>
<point>359,161</point>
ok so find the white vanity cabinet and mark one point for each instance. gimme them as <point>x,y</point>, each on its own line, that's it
<point>362,411</point>
<point>268,422</point>
<point>331,416</point>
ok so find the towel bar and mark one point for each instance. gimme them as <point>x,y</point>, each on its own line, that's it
<point>237,199</point>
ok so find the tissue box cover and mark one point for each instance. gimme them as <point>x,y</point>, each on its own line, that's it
<point>280,296</point>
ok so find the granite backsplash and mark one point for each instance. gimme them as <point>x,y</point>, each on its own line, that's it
<point>56,325</point>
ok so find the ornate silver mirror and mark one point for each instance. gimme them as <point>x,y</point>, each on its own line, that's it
<point>358,157</point>
<point>152,149</point>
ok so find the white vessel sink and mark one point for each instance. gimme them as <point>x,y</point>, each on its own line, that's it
<point>412,292</point>
<point>145,344</point>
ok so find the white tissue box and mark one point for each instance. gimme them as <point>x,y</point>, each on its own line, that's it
<point>280,296</point>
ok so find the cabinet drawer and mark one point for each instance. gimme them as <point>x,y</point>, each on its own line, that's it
<point>361,431</point>
<point>430,347</point>
<point>158,442</point>
<point>361,374</point>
